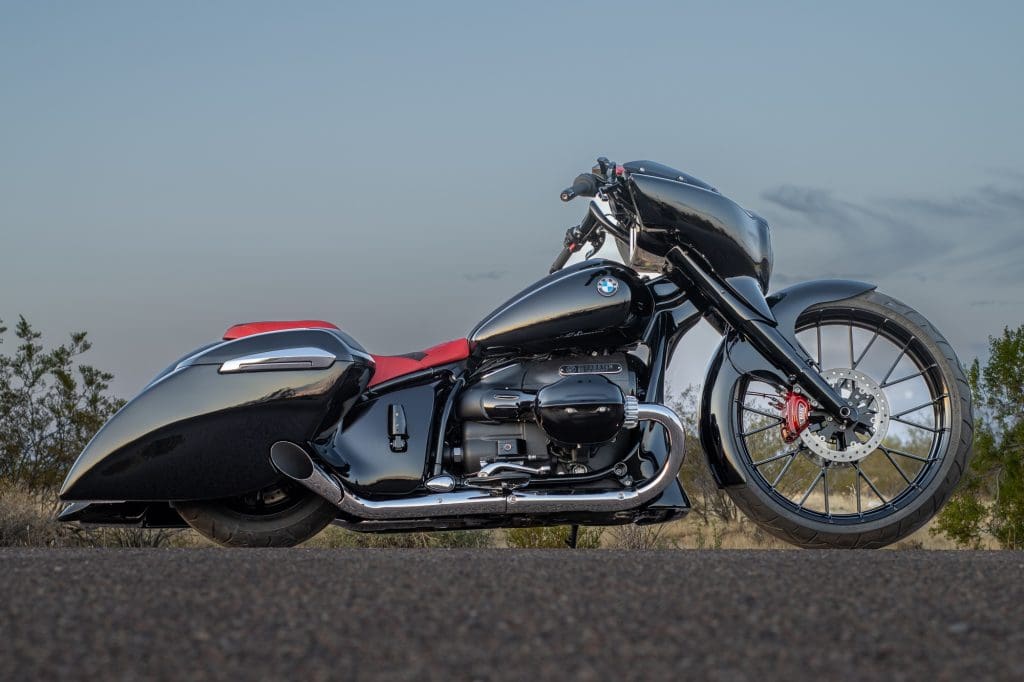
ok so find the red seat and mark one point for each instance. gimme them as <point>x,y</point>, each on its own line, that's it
<point>391,366</point>
<point>250,328</point>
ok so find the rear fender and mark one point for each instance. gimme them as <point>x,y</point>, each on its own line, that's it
<point>203,429</point>
<point>736,357</point>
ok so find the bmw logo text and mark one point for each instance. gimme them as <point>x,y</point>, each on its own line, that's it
<point>607,286</point>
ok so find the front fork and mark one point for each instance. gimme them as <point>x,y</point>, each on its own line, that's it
<point>750,319</point>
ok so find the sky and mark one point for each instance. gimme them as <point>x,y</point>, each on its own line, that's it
<point>169,169</point>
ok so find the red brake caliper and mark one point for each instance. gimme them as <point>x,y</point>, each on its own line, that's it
<point>796,413</point>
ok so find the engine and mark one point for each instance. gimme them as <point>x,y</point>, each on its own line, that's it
<point>570,414</point>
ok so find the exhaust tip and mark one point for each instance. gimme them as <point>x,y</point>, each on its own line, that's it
<point>291,460</point>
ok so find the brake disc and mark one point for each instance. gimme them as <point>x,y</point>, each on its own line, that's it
<point>837,442</point>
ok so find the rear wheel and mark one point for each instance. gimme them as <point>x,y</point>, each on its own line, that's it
<point>282,515</point>
<point>833,488</point>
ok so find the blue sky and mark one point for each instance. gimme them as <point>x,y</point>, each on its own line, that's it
<point>167,169</point>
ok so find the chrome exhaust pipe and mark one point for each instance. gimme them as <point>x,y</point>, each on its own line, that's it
<point>292,461</point>
<point>532,502</point>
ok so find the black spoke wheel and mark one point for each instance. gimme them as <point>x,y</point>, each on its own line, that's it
<point>837,487</point>
<point>281,515</point>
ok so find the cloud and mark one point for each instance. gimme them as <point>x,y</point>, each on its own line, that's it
<point>851,239</point>
<point>486,274</point>
<point>958,258</point>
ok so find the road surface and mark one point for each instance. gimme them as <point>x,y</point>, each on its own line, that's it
<point>298,615</point>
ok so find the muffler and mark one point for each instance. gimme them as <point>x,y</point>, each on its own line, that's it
<point>292,461</point>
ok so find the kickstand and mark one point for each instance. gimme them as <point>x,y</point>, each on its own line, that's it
<point>574,533</point>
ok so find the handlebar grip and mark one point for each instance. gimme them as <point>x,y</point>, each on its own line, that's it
<point>563,256</point>
<point>585,185</point>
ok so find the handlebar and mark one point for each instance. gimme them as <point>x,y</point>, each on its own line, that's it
<point>604,177</point>
<point>585,185</point>
<point>575,238</point>
<point>562,258</point>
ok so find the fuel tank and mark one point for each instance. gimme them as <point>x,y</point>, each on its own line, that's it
<point>594,304</point>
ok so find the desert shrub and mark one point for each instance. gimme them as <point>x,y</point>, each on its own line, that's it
<point>28,519</point>
<point>990,499</point>
<point>552,537</point>
<point>50,406</point>
<point>632,536</point>
<point>709,502</point>
<point>334,537</point>
<point>24,520</point>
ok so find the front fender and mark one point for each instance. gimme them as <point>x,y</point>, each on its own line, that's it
<point>736,357</point>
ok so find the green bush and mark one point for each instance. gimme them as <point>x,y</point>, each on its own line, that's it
<point>990,500</point>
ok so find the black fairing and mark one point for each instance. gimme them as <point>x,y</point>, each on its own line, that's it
<point>360,450</point>
<point>660,170</point>
<point>733,241</point>
<point>195,433</point>
<point>565,310</point>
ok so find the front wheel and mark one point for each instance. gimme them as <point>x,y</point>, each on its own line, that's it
<point>282,515</point>
<point>830,488</point>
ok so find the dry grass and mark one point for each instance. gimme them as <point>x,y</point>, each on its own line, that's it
<point>29,520</point>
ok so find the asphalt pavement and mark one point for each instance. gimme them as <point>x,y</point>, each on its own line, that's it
<point>303,614</point>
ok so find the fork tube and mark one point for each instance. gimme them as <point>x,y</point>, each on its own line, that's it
<point>762,333</point>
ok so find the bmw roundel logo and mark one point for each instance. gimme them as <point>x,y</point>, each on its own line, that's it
<point>607,286</point>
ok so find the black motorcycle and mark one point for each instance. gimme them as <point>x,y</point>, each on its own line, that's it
<point>832,414</point>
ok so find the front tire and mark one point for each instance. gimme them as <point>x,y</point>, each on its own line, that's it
<point>879,494</point>
<point>282,515</point>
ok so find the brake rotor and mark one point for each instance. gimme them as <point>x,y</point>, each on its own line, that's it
<point>838,442</point>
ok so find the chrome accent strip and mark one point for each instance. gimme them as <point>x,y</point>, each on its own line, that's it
<point>520,502</point>
<point>306,357</point>
<point>333,332</point>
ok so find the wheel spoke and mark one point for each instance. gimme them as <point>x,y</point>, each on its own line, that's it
<point>857,479</point>
<point>920,426</point>
<point>868,347</point>
<point>818,330</point>
<point>903,351</point>
<point>775,458</point>
<point>908,377</point>
<point>824,483</point>
<point>748,408</point>
<point>810,488</point>
<point>850,328</point>
<point>785,468</point>
<point>871,485</point>
<point>898,467</point>
<point>760,429</point>
<point>919,407</point>
<point>894,451</point>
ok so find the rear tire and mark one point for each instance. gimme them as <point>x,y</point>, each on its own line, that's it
<point>283,515</point>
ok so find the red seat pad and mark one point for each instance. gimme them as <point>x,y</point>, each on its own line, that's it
<point>391,366</point>
<point>250,328</point>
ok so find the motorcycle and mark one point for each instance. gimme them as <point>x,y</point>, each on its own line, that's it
<point>831,414</point>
